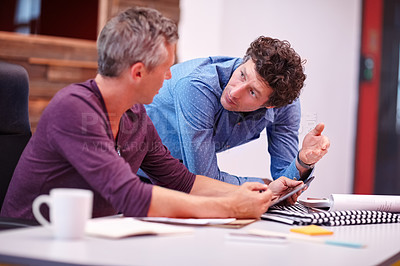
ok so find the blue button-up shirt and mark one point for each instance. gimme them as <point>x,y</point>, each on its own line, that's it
<point>193,124</point>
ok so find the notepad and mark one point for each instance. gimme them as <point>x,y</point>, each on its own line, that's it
<point>312,230</point>
<point>127,226</point>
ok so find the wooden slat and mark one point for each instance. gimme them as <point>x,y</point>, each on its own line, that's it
<point>44,89</point>
<point>24,46</point>
<point>69,74</point>
<point>36,108</point>
<point>44,40</point>
<point>63,62</point>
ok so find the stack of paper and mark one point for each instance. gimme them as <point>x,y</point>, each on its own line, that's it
<point>123,227</point>
<point>339,202</point>
<point>188,221</point>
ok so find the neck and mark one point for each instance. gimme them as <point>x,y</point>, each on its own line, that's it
<point>112,91</point>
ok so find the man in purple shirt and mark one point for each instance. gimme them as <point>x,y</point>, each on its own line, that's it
<point>95,135</point>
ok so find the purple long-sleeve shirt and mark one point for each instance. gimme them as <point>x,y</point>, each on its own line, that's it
<point>73,147</point>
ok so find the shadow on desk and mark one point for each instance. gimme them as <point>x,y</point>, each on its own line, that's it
<point>14,223</point>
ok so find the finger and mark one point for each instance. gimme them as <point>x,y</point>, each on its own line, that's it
<point>256,186</point>
<point>323,153</point>
<point>292,183</point>
<point>318,129</point>
<point>317,156</point>
<point>266,197</point>
<point>283,178</point>
<point>286,181</point>
<point>302,190</point>
<point>294,198</point>
<point>264,207</point>
<point>325,143</point>
<point>291,200</point>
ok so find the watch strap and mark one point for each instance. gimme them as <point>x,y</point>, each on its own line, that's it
<point>304,165</point>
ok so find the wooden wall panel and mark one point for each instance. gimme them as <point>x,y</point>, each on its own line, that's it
<point>54,62</point>
<point>51,62</point>
<point>25,46</point>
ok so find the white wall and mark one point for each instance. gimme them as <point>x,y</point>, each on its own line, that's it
<point>326,34</point>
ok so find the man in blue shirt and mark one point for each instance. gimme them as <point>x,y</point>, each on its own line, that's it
<point>216,103</point>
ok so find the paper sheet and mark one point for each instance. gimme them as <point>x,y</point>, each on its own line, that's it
<point>124,227</point>
<point>384,203</point>
<point>188,221</point>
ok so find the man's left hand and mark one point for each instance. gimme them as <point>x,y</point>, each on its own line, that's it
<point>315,145</point>
<point>282,186</point>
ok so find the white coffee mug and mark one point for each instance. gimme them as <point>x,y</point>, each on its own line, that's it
<point>69,211</point>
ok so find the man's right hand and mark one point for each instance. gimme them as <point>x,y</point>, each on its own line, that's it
<point>250,200</point>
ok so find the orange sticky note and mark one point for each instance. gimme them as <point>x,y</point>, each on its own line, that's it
<point>312,230</point>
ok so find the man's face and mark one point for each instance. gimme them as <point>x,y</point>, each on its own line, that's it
<point>154,80</point>
<point>245,91</point>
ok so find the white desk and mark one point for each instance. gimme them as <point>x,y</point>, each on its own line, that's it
<point>206,246</point>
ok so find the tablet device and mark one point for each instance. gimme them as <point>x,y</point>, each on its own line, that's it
<point>294,190</point>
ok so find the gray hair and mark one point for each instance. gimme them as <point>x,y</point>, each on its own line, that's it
<point>135,35</point>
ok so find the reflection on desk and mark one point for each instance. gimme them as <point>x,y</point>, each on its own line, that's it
<point>206,246</point>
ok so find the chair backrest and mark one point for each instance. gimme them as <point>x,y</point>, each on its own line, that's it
<point>15,130</point>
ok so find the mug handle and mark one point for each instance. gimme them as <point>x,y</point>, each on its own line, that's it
<point>36,209</point>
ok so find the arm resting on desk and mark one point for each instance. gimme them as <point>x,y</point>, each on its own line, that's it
<point>210,198</point>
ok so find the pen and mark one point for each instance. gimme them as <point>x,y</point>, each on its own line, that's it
<point>303,238</point>
<point>251,238</point>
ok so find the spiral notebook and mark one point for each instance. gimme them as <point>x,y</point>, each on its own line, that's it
<point>299,214</point>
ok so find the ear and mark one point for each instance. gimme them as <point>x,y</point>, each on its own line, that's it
<point>265,105</point>
<point>137,71</point>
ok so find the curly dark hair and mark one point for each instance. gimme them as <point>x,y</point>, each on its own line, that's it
<point>280,67</point>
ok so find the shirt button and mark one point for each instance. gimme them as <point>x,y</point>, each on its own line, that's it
<point>294,178</point>
<point>238,124</point>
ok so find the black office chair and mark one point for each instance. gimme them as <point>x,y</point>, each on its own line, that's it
<point>15,130</point>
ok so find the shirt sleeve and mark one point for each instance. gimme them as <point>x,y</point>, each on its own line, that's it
<point>91,152</point>
<point>283,141</point>
<point>196,107</point>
